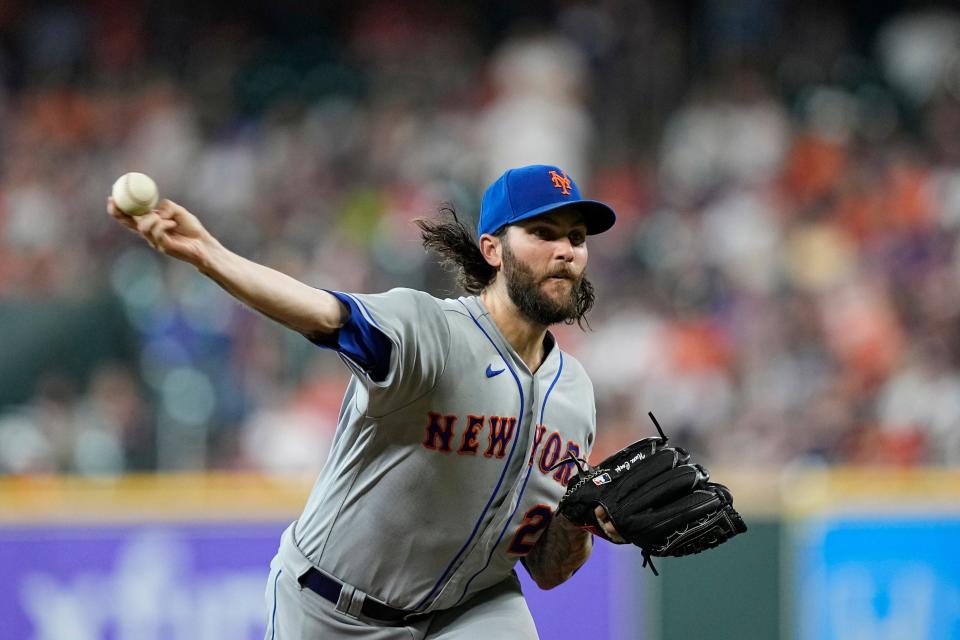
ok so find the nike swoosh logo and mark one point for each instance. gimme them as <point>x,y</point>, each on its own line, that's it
<point>491,372</point>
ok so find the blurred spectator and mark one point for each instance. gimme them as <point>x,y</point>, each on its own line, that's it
<point>781,285</point>
<point>104,431</point>
<point>538,115</point>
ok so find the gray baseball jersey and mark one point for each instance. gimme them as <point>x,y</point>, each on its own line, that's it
<point>441,475</point>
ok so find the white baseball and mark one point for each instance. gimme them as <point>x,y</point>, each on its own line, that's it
<point>135,193</point>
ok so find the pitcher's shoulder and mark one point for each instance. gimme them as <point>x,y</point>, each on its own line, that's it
<point>460,306</point>
<point>575,369</point>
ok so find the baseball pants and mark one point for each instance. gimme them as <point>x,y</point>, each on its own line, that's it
<point>296,613</point>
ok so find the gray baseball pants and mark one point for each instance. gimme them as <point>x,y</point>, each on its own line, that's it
<point>296,613</point>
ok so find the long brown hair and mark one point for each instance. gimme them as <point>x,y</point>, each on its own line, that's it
<point>459,251</point>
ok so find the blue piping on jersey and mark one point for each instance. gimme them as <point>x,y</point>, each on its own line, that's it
<point>364,307</point>
<point>503,473</point>
<point>493,549</point>
<point>273,616</point>
<point>360,342</point>
<point>543,409</point>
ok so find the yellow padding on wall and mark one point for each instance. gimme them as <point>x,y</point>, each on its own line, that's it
<point>871,489</point>
<point>148,497</point>
<point>252,497</point>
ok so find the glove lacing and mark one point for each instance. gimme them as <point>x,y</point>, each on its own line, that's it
<point>580,462</point>
<point>648,560</point>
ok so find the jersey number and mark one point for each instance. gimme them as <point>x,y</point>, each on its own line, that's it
<point>534,522</point>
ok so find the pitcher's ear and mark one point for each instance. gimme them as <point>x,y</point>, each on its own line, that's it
<point>491,248</point>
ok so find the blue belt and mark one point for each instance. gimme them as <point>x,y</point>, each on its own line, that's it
<point>330,588</point>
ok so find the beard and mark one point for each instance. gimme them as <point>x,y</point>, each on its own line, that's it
<point>524,289</point>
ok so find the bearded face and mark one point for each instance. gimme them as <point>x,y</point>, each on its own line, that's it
<point>545,298</point>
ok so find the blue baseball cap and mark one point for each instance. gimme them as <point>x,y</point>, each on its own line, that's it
<point>533,190</point>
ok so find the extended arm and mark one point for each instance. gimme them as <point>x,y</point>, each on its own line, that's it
<point>176,232</point>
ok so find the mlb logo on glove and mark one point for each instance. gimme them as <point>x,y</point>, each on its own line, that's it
<point>602,479</point>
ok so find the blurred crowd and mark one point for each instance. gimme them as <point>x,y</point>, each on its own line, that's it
<point>781,286</point>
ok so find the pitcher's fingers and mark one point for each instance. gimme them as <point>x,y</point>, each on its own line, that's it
<point>174,211</point>
<point>604,519</point>
<point>145,226</point>
<point>159,229</point>
<point>188,223</point>
<point>114,210</point>
<point>157,235</point>
<point>145,222</point>
<point>167,208</point>
<point>120,216</point>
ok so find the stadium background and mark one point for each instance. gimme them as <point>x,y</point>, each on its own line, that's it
<point>781,288</point>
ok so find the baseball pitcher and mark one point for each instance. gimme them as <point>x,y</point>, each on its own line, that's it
<point>463,432</point>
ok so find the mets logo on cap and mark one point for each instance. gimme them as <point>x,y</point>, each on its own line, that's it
<point>535,190</point>
<point>561,182</point>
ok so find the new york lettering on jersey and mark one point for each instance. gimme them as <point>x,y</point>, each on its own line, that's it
<point>568,404</point>
<point>434,437</point>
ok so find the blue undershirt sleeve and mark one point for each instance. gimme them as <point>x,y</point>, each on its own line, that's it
<point>360,341</point>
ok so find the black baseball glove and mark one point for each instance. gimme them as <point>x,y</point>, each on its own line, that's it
<point>655,498</point>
